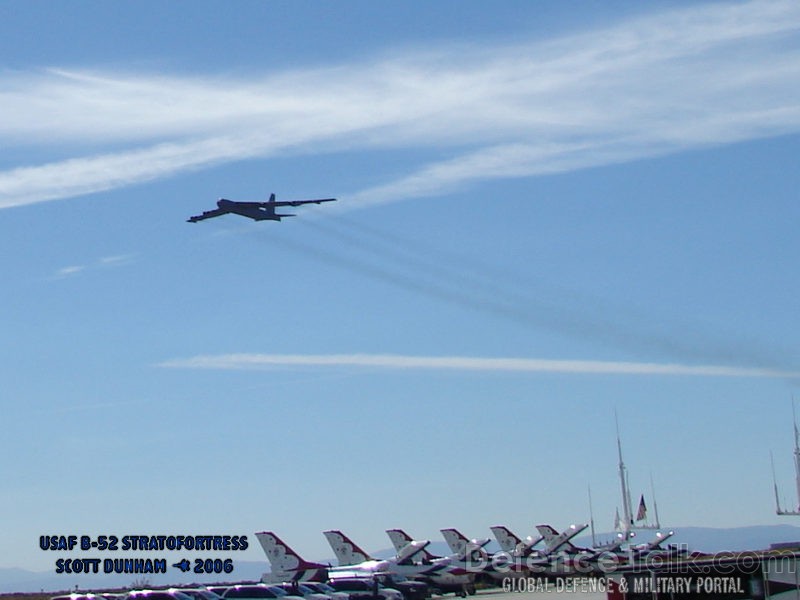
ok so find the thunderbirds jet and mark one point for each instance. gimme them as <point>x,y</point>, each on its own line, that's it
<point>511,543</point>
<point>353,559</point>
<point>400,539</point>
<point>654,548</point>
<point>465,549</point>
<point>570,554</point>
<point>631,551</point>
<point>258,211</point>
<point>611,555</point>
<point>505,563</point>
<point>287,565</point>
<point>454,578</point>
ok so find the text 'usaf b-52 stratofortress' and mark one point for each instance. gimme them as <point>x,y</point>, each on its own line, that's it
<point>258,211</point>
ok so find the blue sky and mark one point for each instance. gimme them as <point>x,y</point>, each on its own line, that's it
<point>545,215</point>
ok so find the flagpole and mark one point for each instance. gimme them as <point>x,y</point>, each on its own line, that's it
<point>775,486</point>
<point>623,481</point>
<point>591,516</point>
<point>796,454</point>
<point>655,504</point>
<point>778,508</point>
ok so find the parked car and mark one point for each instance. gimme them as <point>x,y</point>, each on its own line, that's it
<point>411,590</point>
<point>201,593</point>
<point>364,588</point>
<point>172,594</point>
<point>324,588</point>
<point>298,589</point>
<point>257,591</point>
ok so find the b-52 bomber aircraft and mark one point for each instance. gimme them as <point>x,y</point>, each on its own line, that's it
<point>258,211</point>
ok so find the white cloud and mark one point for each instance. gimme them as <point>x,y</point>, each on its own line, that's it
<point>107,262</point>
<point>70,270</point>
<point>117,260</point>
<point>462,363</point>
<point>80,176</point>
<point>689,78</point>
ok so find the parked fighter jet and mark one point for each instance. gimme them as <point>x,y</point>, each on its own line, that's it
<point>400,539</point>
<point>608,556</point>
<point>549,535</point>
<point>454,578</point>
<point>286,564</point>
<point>512,544</point>
<point>352,557</point>
<point>464,548</point>
<point>258,211</point>
<point>654,548</point>
<point>505,564</point>
<point>630,552</point>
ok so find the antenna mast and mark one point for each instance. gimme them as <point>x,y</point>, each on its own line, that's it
<point>778,509</point>
<point>591,517</point>
<point>627,517</point>
<point>655,505</point>
<point>796,455</point>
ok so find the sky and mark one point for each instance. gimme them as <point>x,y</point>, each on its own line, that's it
<point>546,217</point>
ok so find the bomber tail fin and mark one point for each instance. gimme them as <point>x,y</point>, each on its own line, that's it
<point>281,215</point>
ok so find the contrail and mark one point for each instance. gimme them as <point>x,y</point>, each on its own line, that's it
<point>463,363</point>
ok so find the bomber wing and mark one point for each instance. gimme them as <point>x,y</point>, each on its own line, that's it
<point>296,202</point>
<point>209,214</point>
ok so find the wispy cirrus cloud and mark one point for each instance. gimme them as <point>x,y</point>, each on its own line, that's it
<point>106,262</point>
<point>464,363</point>
<point>705,75</point>
<point>69,271</point>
